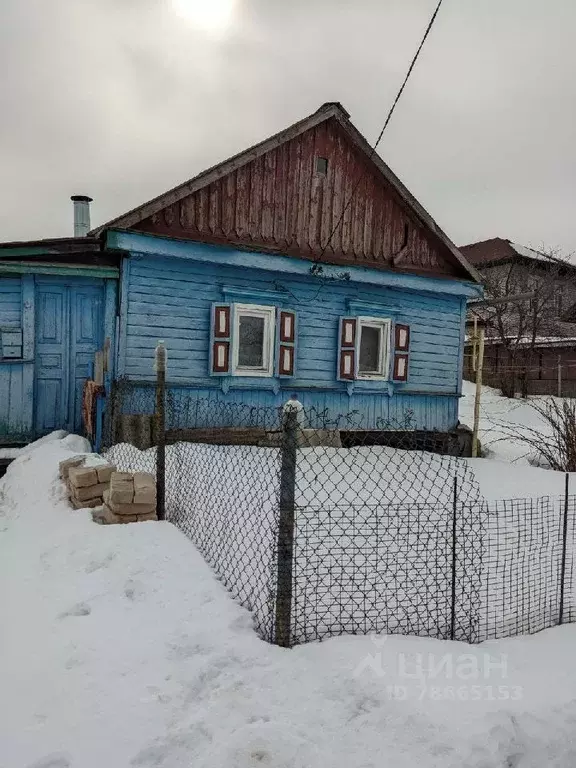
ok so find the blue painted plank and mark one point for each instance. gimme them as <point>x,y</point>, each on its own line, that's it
<point>123,320</point>
<point>200,252</point>
<point>110,302</point>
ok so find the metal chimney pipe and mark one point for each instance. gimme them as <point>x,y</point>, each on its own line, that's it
<point>81,214</point>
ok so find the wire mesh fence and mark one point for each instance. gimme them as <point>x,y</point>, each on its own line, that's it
<point>321,528</point>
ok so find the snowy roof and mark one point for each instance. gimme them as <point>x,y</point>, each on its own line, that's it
<point>539,341</point>
<point>529,253</point>
<point>501,249</point>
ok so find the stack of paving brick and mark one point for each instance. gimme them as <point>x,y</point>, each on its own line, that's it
<point>131,498</point>
<point>86,485</point>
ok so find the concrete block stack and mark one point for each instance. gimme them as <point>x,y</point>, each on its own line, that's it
<point>131,498</point>
<point>86,485</point>
<point>68,464</point>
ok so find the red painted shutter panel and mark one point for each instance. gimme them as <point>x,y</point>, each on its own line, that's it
<point>286,361</point>
<point>221,321</point>
<point>348,327</point>
<point>400,367</point>
<point>402,337</point>
<point>287,327</point>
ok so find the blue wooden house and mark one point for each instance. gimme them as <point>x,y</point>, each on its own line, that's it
<point>57,307</point>
<point>300,266</point>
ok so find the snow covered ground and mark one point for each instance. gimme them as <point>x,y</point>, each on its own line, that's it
<point>119,648</point>
<point>501,419</point>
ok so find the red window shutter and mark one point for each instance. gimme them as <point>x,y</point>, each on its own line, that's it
<point>220,331</point>
<point>287,327</point>
<point>401,352</point>
<point>400,372</point>
<point>221,321</point>
<point>221,357</point>
<point>347,364</point>
<point>286,360</point>
<point>347,349</point>
<point>348,332</point>
<point>402,337</point>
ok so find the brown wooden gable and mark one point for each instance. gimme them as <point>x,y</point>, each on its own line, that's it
<point>282,198</point>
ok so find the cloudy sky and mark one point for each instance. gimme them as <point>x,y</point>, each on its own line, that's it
<point>122,99</point>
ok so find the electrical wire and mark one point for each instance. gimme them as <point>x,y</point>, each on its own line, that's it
<point>381,134</point>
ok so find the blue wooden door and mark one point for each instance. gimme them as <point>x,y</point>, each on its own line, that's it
<point>69,330</point>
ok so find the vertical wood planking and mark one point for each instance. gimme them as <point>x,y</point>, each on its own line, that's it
<point>278,201</point>
<point>124,314</point>
<point>268,198</point>
<point>110,304</point>
<point>28,332</point>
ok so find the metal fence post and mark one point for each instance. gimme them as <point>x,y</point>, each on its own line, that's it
<point>564,546</point>
<point>160,368</point>
<point>453,570</point>
<point>285,548</point>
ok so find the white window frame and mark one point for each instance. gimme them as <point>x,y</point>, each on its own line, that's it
<point>384,325</point>
<point>269,315</point>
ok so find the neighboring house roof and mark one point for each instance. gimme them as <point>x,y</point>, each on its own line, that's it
<point>498,250</point>
<point>142,217</point>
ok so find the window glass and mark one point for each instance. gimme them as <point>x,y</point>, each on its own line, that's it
<point>251,341</point>
<point>369,360</point>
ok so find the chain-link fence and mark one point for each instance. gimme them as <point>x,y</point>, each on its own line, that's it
<point>321,528</point>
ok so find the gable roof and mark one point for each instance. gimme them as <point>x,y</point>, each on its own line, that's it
<point>328,111</point>
<point>498,250</point>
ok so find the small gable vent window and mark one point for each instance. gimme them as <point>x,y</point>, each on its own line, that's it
<point>406,235</point>
<point>322,166</point>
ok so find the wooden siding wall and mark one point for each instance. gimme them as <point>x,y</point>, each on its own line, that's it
<point>18,309</point>
<point>280,202</point>
<point>171,298</point>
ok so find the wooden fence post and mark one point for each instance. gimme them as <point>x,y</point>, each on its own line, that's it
<point>285,548</point>
<point>160,368</point>
<point>479,365</point>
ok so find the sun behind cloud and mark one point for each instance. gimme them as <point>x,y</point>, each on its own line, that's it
<point>211,16</point>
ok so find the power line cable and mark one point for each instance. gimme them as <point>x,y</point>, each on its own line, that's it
<point>381,134</point>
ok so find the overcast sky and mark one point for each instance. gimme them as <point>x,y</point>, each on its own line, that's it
<point>122,99</point>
